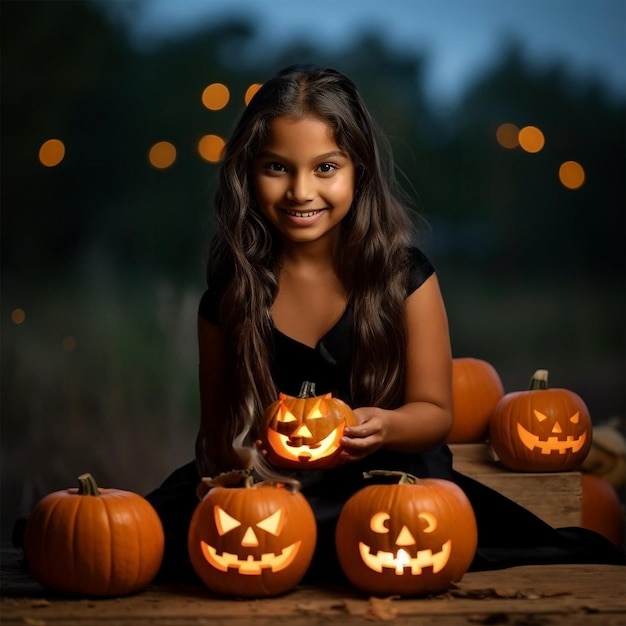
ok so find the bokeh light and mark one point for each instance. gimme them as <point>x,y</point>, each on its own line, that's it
<point>507,135</point>
<point>162,155</point>
<point>531,139</point>
<point>51,152</point>
<point>250,91</point>
<point>210,148</point>
<point>571,175</point>
<point>215,96</point>
<point>18,316</point>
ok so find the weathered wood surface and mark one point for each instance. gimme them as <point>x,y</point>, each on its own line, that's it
<point>571,595</point>
<point>555,497</point>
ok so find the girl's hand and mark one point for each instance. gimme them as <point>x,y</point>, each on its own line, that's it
<point>369,435</point>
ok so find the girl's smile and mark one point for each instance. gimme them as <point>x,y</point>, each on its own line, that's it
<point>304,182</point>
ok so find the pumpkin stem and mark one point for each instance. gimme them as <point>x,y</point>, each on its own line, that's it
<point>539,380</point>
<point>87,485</point>
<point>405,478</point>
<point>307,390</point>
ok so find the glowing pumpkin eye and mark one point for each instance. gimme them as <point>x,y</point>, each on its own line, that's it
<point>431,521</point>
<point>224,522</point>
<point>540,416</point>
<point>574,419</point>
<point>377,523</point>
<point>273,524</point>
<point>286,415</point>
<point>316,412</point>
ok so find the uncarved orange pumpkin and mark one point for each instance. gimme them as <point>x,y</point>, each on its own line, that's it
<point>304,431</point>
<point>541,429</point>
<point>477,389</point>
<point>414,537</point>
<point>93,542</point>
<point>602,510</point>
<point>251,539</point>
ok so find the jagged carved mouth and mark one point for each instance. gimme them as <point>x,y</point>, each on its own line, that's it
<point>402,562</point>
<point>250,565</point>
<point>551,444</point>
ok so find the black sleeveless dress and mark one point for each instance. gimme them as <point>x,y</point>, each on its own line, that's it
<point>508,534</point>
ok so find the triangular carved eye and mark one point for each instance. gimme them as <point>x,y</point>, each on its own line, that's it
<point>316,411</point>
<point>575,418</point>
<point>273,524</point>
<point>286,415</point>
<point>540,416</point>
<point>223,521</point>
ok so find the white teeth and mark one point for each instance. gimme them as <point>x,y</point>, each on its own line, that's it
<point>303,213</point>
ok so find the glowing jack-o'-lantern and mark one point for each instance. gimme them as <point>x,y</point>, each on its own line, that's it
<point>413,537</point>
<point>254,539</point>
<point>304,432</point>
<point>541,429</point>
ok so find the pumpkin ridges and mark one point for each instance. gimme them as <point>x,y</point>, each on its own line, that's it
<point>87,545</point>
<point>476,389</point>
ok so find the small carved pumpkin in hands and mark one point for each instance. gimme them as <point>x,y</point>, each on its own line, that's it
<point>251,539</point>
<point>410,538</point>
<point>304,432</point>
<point>541,429</point>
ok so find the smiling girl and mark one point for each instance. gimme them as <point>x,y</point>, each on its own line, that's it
<point>313,275</point>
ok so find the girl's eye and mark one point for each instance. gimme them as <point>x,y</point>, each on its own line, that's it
<point>274,167</point>
<point>326,168</point>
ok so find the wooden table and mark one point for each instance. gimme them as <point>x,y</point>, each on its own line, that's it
<point>571,595</point>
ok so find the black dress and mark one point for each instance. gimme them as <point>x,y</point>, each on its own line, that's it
<point>508,534</point>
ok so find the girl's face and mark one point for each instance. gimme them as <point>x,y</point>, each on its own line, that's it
<point>303,181</point>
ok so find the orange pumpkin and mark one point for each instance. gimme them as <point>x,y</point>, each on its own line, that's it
<point>93,542</point>
<point>251,539</point>
<point>304,432</point>
<point>409,538</point>
<point>602,510</point>
<point>477,389</point>
<point>541,429</point>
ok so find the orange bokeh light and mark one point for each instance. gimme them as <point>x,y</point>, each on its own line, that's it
<point>507,135</point>
<point>571,175</point>
<point>250,91</point>
<point>531,139</point>
<point>51,152</point>
<point>162,155</point>
<point>215,96</point>
<point>210,148</point>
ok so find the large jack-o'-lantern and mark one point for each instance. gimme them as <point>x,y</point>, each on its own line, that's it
<point>414,537</point>
<point>251,539</point>
<point>304,432</point>
<point>541,429</point>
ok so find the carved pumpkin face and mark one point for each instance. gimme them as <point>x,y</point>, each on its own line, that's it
<point>256,540</point>
<point>541,430</point>
<point>407,539</point>
<point>304,432</point>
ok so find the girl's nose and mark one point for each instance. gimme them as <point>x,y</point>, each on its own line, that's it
<point>301,189</point>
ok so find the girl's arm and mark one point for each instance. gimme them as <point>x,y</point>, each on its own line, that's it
<point>425,419</point>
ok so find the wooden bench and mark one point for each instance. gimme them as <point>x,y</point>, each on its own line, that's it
<point>555,497</point>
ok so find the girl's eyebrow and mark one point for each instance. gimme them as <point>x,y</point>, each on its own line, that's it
<point>321,157</point>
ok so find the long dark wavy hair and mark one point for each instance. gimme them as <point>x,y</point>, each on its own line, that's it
<point>244,258</point>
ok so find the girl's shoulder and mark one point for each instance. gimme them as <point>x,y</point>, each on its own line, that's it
<point>419,269</point>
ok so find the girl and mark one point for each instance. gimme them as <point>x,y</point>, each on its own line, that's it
<point>313,275</point>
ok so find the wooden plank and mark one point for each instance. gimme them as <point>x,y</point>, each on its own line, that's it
<point>555,497</point>
<point>577,595</point>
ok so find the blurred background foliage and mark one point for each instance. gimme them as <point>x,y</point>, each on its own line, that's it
<point>102,255</point>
